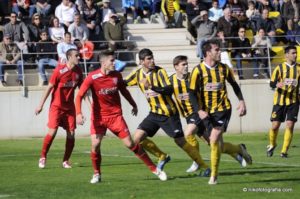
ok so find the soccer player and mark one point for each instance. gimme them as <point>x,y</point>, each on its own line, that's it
<point>65,78</point>
<point>105,84</point>
<point>208,79</point>
<point>285,81</point>
<point>155,84</point>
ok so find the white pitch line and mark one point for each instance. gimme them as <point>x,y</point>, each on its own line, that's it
<point>131,156</point>
<point>5,195</point>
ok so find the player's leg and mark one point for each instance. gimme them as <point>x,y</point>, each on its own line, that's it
<point>152,148</point>
<point>46,146</point>
<point>69,146</point>
<point>96,156</point>
<point>215,153</point>
<point>192,140</point>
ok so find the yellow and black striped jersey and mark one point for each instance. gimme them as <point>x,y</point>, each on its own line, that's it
<point>159,103</point>
<point>289,76</point>
<point>210,83</point>
<point>181,94</point>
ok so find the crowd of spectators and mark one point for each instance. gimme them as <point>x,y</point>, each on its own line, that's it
<point>95,24</point>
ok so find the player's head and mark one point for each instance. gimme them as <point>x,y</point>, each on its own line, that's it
<point>291,54</point>
<point>146,58</point>
<point>107,60</point>
<point>180,64</point>
<point>211,50</point>
<point>73,56</point>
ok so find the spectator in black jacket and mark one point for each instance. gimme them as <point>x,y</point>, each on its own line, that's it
<point>46,55</point>
<point>267,24</point>
<point>241,50</point>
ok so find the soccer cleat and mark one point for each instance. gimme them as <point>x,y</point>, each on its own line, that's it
<point>270,150</point>
<point>284,155</point>
<point>241,160</point>
<point>42,163</point>
<point>161,164</point>
<point>245,154</point>
<point>206,173</point>
<point>213,180</point>
<point>66,165</point>
<point>160,174</point>
<point>96,178</point>
<point>194,167</point>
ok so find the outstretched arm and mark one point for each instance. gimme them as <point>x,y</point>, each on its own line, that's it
<point>44,98</point>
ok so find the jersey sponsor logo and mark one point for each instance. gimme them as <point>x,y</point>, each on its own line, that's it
<point>290,82</point>
<point>108,91</point>
<point>183,96</point>
<point>97,76</point>
<point>62,71</point>
<point>151,93</point>
<point>70,84</point>
<point>213,86</point>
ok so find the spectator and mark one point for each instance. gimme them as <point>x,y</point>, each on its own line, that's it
<point>145,8</point>
<point>45,55</point>
<point>261,45</point>
<point>206,30</point>
<point>156,5</point>
<point>91,16</point>
<point>78,29</point>
<point>65,12</point>
<point>56,31</point>
<point>241,51</point>
<point>228,24</point>
<point>63,47</point>
<point>277,5</point>
<point>291,10</point>
<point>253,16</point>
<point>105,11</point>
<point>131,6</point>
<point>10,56</point>
<point>193,9</point>
<point>23,8</point>
<point>43,7</point>
<point>293,33</point>
<point>224,46</point>
<point>268,25</point>
<point>171,14</point>
<point>18,31</point>
<point>35,28</point>
<point>215,13</point>
<point>86,50</point>
<point>113,31</point>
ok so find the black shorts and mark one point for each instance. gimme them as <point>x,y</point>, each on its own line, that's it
<point>171,125</point>
<point>289,112</point>
<point>195,119</point>
<point>219,119</point>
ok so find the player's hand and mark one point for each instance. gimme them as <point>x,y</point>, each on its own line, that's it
<point>202,114</point>
<point>134,111</point>
<point>242,108</point>
<point>279,85</point>
<point>146,83</point>
<point>38,110</point>
<point>80,119</point>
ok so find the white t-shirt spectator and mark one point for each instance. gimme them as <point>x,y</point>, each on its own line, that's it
<point>56,33</point>
<point>65,13</point>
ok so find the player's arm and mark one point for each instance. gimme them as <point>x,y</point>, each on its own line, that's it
<point>44,98</point>
<point>80,95</point>
<point>125,92</point>
<point>274,83</point>
<point>166,87</point>
<point>131,79</point>
<point>238,92</point>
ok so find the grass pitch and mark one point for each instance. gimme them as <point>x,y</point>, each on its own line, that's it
<point>124,176</point>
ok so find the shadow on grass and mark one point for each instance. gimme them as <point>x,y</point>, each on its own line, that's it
<point>250,172</point>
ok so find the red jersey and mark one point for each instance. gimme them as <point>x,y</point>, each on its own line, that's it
<point>105,93</point>
<point>64,82</point>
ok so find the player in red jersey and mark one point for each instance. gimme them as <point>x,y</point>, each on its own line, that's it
<point>105,84</point>
<point>65,78</point>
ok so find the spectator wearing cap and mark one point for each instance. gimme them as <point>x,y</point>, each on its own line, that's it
<point>10,57</point>
<point>206,30</point>
<point>171,14</point>
<point>65,12</point>
<point>63,47</point>
<point>45,55</point>
<point>78,29</point>
<point>105,11</point>
<point>113,31</point>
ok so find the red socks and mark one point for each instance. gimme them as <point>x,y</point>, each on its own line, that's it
<point>96,161</point>
<point>46,145</point>
<point>69,148</point>
<point>142,155</point>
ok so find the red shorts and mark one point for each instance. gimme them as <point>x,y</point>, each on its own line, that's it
<point>116,125</point>
<point>63,118</point>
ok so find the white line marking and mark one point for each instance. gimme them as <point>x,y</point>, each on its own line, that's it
<point>5,195</point>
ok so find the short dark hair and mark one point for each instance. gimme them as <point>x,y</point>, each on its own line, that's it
<point>144,53</point>
<point>207,46</point>
<point>105,54</point>
<point>288,48</point>
<point>179,58</point>
<point>69,52</point>
<point>67,33</point>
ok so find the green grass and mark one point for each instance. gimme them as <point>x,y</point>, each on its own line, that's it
<point>123,175</point>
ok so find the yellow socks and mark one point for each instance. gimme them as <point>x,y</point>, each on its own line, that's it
<point>194,154</point>
<point>151,147</point>
<point>215,155</point>
<point>192,140</point>
<point>231,149</point>
<point>273,136</point>
<point>288,135</point>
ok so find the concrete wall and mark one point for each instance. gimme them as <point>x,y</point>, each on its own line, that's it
<point>17,117</point>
